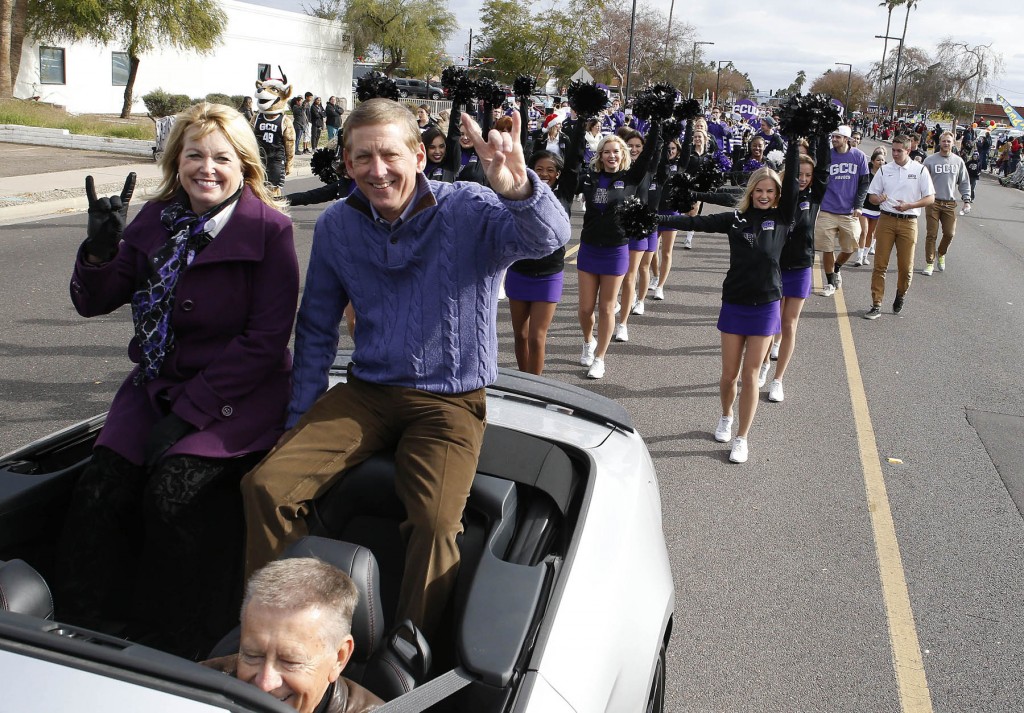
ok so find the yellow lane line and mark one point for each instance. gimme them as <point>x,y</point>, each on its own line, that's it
<point>569,252</point>
<point>906,651</point>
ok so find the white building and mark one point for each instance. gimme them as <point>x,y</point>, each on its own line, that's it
<point>90,78</point>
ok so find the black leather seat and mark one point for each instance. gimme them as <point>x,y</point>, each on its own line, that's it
<point>24,591</point>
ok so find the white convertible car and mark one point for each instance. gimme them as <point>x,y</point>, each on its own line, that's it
<point>564,600</point>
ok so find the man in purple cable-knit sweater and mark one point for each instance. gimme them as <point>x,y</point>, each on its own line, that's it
<point>421,263</point>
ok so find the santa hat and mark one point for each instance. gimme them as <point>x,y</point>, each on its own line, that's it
<point>554,118</point>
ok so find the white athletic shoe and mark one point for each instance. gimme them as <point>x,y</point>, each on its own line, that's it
<point>774,354</point>
<point>638,308</point>
<point>762,376</point>
<point>596,369</point>
<point>659,293</point>
<point>587,355</point>
<point>621,333</point>
<point>688,241</point>
<point>739,450</point>
<point>775,393</point>
<point>828,290</point>
<point>618,307</point>
<point>723,432</point>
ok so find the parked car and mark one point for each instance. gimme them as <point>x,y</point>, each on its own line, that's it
<point>419,89</point>
<point>564,600</point>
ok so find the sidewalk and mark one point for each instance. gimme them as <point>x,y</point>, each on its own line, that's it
<point>44,186</point>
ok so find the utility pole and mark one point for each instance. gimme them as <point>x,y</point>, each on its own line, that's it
<point>693,63</point>
<point>849,79</point>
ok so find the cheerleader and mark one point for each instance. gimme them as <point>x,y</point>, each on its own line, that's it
<point>797,261</point>
<point>604,247</point>
<point>752,290</point>
<point>641,250</point>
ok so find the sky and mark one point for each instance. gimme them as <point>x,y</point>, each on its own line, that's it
<point>771,42</point>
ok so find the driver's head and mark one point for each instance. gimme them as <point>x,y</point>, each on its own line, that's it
<point>296,630</point>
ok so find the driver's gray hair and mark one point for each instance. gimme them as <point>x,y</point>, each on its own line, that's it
<point>299,583</point>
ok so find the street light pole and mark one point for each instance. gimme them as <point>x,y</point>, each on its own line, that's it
<point>693,63</point>
<point>629,55</point>
<point>718,79</point>
<point>849,79</point>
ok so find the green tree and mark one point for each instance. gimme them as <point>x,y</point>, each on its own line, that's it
<point>408,33</point>
<point>138,26</point>
<point>544,43</point>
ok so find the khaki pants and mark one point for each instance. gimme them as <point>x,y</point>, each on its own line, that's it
<point>436,439</point>
<point>938,213</point>
<point>901,234</point>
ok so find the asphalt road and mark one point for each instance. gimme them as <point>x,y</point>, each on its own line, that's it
<point>817,577</point>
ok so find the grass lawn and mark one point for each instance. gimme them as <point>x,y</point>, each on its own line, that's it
<point>29,113</point>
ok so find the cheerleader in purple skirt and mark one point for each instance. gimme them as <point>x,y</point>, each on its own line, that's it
<point>752,291</point>
<point>604,246</point>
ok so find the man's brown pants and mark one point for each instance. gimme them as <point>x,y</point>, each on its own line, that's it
<point>436,439</point>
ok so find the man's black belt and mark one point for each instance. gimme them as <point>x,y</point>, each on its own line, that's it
<point>899,216</point>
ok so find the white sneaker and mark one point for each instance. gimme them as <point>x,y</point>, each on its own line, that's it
<point>839,279</point>
<point>621,333</point>
<point>587,355</point>
<point>638,308</point>
<point>928,269</point>
<point>653,282</point>
<point>724,430</point>
<point>688,241</point>
<point>596,369</point>
<point>774,354</point>
<point>828,290</point>
<point>775,393</point>
<point>871,250</point>
<point>659,293</point>
<point>618,307</point>
<point>762,375</point>
<point>739,450</point>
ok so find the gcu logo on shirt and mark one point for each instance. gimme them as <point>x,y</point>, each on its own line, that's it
<point>619,185</point>
<point>768,225</point>
<point>839,168</point>
<point>944,168</point>
<point>805,205</point>
<point>750,238</point>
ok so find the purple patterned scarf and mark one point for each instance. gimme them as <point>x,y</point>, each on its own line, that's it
<point>153,302</point>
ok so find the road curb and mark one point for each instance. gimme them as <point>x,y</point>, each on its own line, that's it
<point>79,204</point>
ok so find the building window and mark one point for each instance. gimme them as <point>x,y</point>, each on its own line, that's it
<point>120,66</point>
<point>51,65</point>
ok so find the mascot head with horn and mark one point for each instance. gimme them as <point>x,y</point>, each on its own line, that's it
<point>274,129</point>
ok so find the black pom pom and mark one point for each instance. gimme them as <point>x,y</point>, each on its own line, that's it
<point>488,91</point>
<point>643,105</point>
<point>524,86</point>
<point>709,177</point>
<point>376,86</point>
<point>322,165</point>
<point>687,109</point>
<point>663,101</point>
<point>679,188</point>
<point>636,218</point>
<point>811,115</point>
<point>457,85</point>
<point>671,129</point>
<point>587,99</point>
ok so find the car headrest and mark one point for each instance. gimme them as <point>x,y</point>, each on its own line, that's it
<point>360,564</point>
<point>24,591</point>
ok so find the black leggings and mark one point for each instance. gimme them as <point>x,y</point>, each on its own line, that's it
<point>155,556</point>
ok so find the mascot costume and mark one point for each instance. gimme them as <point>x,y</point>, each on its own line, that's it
<point>274,130</point>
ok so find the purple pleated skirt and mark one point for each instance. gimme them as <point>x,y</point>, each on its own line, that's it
<point>797,283</point>
<point>603,260</point>
<point>527,288</point>
<point>662,228</point>
<point>646,244</point>
<point>751,320</point>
